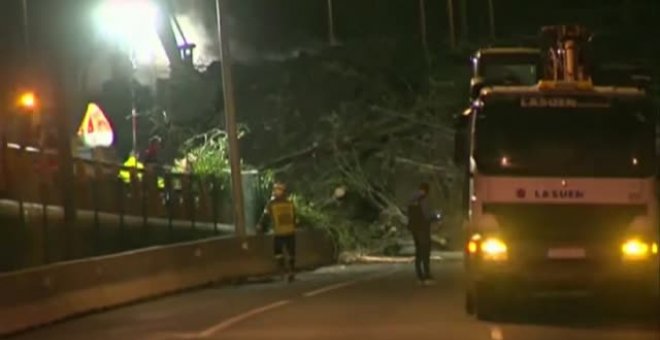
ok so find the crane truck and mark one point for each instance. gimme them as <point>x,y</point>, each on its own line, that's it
<point>561,190</point>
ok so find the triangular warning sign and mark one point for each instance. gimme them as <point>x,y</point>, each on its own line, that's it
<point>95,130</point>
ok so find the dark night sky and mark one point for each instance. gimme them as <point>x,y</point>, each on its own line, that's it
<point>65,25</point>
<point>278,22</point>
<point>267,21</point>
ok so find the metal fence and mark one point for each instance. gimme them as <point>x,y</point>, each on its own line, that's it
<point>118,208</point>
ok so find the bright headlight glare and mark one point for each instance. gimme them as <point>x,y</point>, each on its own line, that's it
<point>635,249</point>
<point>472,247</point>
<point>473,244</point>
<point>654,248</point>
<point>494,249</point>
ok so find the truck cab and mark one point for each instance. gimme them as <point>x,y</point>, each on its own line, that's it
<point>561,193</point>
<point>502,66</point>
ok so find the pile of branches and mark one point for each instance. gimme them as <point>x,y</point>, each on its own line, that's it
<point>372,119</point>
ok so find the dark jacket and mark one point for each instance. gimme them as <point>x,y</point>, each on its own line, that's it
<point>419,214</point>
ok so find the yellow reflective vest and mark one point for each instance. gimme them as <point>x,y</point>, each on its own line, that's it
<point>132,162</point>
<point>282,214</point>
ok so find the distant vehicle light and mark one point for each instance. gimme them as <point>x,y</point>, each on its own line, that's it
<point>635,249</point>
<point>505,162</point>
<point>493,249</point>
<point>654,248</point>
<point>635,161</point>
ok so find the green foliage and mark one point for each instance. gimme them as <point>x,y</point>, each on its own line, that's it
<point>371,116</point>
<point>340,229</point>
<point>262,191</point>
<point>206,154</point>
<point>348,234</point>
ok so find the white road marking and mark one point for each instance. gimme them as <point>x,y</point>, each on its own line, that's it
<point>346,284</point>
<point>225,324</point>
<point>238,318</point>
<point>330,288</point>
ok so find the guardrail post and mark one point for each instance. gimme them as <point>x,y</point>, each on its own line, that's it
<point>146,176</point>
<point>192,196</point>
<point>19,191</point>
<point>95,204</point>
<point>136,177</point>
<point>120,207</point>
<point>43,192</point>
<point>4,173</point>
<point>215,193</point>
<point>168,202</point>
<point>187,199</point>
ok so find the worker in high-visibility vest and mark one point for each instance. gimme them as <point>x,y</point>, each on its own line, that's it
<point>281,213</point>
<point>125,172</point>
<point>133,162</point>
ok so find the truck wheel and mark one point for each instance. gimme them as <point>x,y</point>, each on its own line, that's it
<point>489,304</point>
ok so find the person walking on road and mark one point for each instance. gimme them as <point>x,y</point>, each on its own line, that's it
<point>281,213</point>
<point>419,224</point>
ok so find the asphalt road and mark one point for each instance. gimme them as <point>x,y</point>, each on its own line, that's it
<point>374,301</point>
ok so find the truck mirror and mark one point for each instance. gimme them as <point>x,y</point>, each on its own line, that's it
<point>476,84</point>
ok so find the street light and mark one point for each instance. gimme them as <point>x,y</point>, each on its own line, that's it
<point>27,100</point>
<point>131,24</point>
<point>29,119</point>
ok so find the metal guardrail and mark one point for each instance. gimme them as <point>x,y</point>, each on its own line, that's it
<point>152,206</point>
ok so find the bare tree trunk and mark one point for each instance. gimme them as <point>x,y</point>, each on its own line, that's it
<point>422,24</point>
<point>491,19</point>
<point>465,29</point>
<point>332,38</point>
<point>452,26</point>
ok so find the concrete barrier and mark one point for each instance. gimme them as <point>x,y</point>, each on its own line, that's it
<point>42,295</point>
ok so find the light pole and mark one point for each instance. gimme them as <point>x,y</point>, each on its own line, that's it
<point>132,26</point>
<point>134,115</point>
<point>332,38</point>
<point>27,103</point>
<point>465,27</point>
<point>491,18</point>
<point>452,25</point>
<point>422,24</point>
<point>26,27</point>
<point>230,120</point>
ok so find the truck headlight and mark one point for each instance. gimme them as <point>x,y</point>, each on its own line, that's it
<point>473,245</point>
<point>634,249</point>
<point>494,249</point>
